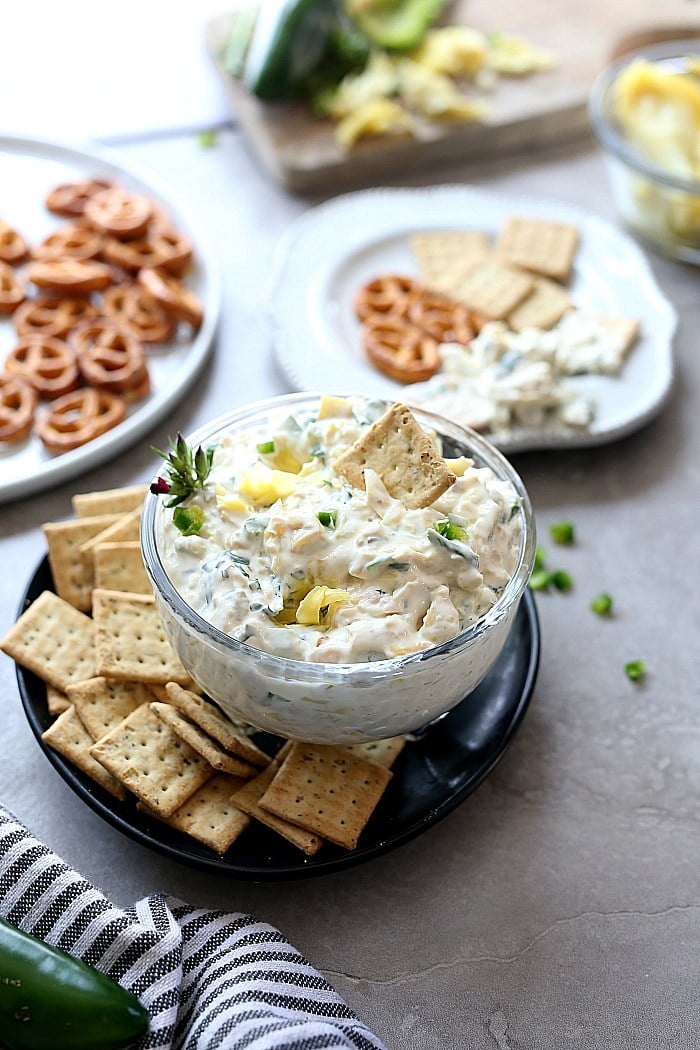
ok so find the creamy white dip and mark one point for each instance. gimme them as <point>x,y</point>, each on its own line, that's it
<point>505,380</point>
<point>293,561</point>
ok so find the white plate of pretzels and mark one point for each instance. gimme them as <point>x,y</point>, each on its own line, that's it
<point>109,305</point>
<point>359,281</point>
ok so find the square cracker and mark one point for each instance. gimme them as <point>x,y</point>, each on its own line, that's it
<point>403,456</point>
<point>216,725</point>
<point>130,641</point>
<point>56,701</point>
<point>149,759</point>
<point>119,567</point>
<point>102,703</point>
<point>201,743</point>
<point>70,738</point>
<point>126,527</point>
<point>327,790</point>
<point>53,640</point>
<point>209,815</point>
<point>539,245</point>
<point>543,308</point>
<point>626,329</point>
<point>493,289</point>
<point>248,798</point>
<point>72,569</point>
<point>383,752</point>
<point>445,256</point>
<point>108,501</point>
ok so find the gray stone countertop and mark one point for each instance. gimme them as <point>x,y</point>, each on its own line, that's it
<point>559,905</point>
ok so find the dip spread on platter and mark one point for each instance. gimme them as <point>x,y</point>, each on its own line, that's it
<point>291,558</point>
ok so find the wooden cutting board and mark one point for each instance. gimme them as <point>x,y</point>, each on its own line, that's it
<point>301,152</point>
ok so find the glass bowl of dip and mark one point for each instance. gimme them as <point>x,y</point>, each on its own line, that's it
<point>335,702</point>
<point>644,110</point>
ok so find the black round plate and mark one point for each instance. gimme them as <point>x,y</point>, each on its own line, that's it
<point>433,774</point>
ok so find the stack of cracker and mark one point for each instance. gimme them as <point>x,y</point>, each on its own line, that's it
<point>129,717</point>
<point>520,278</point>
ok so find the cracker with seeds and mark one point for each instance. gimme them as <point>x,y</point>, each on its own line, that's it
<point>126,527</point>
<point>398,449</point>
<point>108,501</point>
<point>149,759</point>
<point>209,815</point>
<point>201,743</point>
<point>70,738</point>
<point>56,701</point>
<point>383,752</point>
<point>130,641</point>
<point>247,798</point>
<point>543,308</point>
<point>53,640</point>
<point>119,567</point>
<point>214,724</point>
<point>327,790</point>
<point>102,703</point>
<point>539,245</point>
<point>72,569</point>
<point>494,289</point>
<point>444,257</point>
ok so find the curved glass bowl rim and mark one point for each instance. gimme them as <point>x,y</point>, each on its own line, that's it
<point>613,140</point>
<point>508,599</point>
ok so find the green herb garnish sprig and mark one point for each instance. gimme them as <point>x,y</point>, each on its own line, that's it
<point>188,470</point>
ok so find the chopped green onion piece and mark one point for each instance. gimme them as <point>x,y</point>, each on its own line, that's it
<point>540,580</point>
<point>207,138</point>
<point>188,520</point>
<point>635,670</point>
<point>602,604</point>
<point>562,532</point>
<point>266,448</point>
<point>449,530</point>
<point>540,558</point>
<point>328,518</point>
<point>562,580</point>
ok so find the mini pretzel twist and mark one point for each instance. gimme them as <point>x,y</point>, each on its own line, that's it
<point>79,417</point>
<point>137,311</point>
<point>159,247</point>
<point>400,350</point>
<point>177,300</point>
<point>70,198</point>
<point>11,290</point>
<point>444,319</point>
<point>13,247</point>
<point>73,241</point>
<point>17,405</point>
<point>47,364</point>
<point>111,358</point>
<point>119,213</point>
<point>46,316</point>
<point>70,276</point>
<point>388,294</point>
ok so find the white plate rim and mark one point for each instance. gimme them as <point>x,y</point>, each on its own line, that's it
<point>58,469</point>
<point>290,249</point>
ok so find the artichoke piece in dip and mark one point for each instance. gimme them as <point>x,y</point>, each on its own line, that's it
<point>296,561</point>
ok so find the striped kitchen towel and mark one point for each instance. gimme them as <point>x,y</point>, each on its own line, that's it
<point>207,978</point>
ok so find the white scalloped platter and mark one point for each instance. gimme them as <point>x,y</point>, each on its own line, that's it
<point>333,249</point>
<point>28,170</point>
